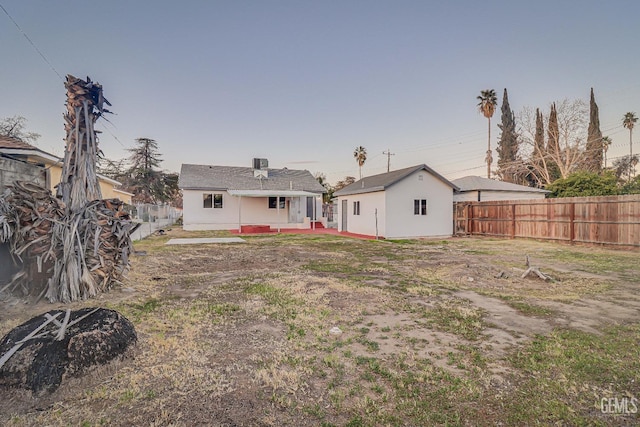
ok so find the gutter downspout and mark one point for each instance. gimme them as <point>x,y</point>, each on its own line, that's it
<point>240,215</point>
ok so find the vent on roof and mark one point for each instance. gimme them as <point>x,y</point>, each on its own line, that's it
<point>260,164</point>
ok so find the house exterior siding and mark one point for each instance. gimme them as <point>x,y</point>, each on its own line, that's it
<point>401,222</point>
<point>371,204</point>
<point>238,211</point>
<point>487,195</point>
<point>387,204</point>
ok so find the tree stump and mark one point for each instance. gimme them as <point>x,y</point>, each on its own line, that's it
<point>41,352</point>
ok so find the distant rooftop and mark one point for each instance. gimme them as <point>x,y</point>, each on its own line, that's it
<point>477,183</point>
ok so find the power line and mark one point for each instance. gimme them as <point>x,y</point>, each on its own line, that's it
<point>31,42</point>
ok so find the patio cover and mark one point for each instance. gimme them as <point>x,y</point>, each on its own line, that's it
<point>272,193</point>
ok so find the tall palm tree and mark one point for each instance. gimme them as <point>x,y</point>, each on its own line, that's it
<point>606,142</point>
<point>360,154</point>
<point>487,106</point>
<point>628,121</point>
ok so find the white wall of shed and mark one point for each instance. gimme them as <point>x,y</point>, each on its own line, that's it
<point>401,222</point>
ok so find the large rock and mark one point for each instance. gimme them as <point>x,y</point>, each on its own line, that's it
<point>46,357</point>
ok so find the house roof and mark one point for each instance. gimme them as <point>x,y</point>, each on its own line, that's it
<point>381,182</point>
<point>477,183</point>
<point>208,177</point>
<point>14,146</point>
<point>10,142</point>
<point>10,145</point>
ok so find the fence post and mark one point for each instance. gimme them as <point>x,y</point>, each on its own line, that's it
<point>469,226</point>
<point>572,218</point>
<point>513,220</point>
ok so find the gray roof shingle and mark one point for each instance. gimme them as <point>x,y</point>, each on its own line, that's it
<point>383,181</point>
<point>206,177</point>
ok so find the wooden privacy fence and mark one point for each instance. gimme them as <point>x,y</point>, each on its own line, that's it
<point>608,220</point>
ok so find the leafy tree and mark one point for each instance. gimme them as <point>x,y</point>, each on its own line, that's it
<point>628,121</point>
<point>508,143</point>
<point>348,180</point>
<point>584,184</point>
<point>593,155</point>
<point>143,179</point>
<point>322,179</point>
<point>632,187</point>
<point>16,127</point>
<point>360,154</point>
<point>487,106</point>
<point>624,166</point>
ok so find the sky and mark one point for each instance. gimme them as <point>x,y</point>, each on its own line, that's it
<point>303,83</point>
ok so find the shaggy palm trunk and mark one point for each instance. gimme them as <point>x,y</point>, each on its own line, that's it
<point>74,248</point>
<point>79,183</point>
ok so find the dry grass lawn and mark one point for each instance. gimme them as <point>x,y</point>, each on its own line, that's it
<point>330,331</point>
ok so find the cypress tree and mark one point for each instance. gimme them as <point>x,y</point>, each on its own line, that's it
<point>508,143</point>
<point>553,145</point>
<point>538,148</point>
<point>593,158</point>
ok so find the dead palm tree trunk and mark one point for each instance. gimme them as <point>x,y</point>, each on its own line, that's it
<point>79,182</point>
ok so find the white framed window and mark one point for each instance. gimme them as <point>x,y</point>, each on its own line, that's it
<point>212,200</point>
<point>273,202</point>
<point>420,206</point>
<point>356,208</point>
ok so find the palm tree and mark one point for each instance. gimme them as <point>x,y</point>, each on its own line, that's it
<point>629,121</point>
<point>606,142</point>
<point>487,106</point>
<point>360,154</point>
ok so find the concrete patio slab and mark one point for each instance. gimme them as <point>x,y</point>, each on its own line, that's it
<point>204,240</point>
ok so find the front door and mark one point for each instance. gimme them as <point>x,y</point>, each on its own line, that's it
<point>310,201</point>
<point>344,215</point>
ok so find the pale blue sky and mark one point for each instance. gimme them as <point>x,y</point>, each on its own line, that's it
<point>302,83</point>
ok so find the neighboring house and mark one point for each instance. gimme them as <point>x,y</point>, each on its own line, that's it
<point>229,197</point>
<point>20,161</point>
<point>406,203</point>
<point>478,189</point>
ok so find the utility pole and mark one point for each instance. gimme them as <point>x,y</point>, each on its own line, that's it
<point>389,154</point>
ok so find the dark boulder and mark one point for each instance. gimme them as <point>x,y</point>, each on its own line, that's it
<point>41,352</point>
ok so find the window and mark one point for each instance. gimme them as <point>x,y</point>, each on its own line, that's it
<point>356,208</point>
<point>212,201</point>
<point>272,202</point>
<point>420,207</point>
<point>217,201</point>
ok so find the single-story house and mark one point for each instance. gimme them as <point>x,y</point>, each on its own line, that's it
<point>242,198</point>
<point>407,203</point>
<point>20,161</point>
<point>478,189</point>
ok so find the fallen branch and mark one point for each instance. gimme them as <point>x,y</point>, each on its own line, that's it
<point>535,270</point>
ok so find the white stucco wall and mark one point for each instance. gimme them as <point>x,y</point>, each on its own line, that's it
<point>365,223</point>
<point>472,196</point>
<point>395,212</point>
<point>401,222</point>
<point>247,210</point>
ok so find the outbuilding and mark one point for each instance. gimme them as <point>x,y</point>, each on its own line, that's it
<point>478,189</point>
<point>407,203</point>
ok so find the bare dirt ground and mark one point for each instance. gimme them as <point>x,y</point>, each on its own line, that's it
<point>326,330</point>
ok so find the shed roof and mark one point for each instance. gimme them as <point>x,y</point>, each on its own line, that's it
<point>209,177</point>
<point>383,181</point>
<point>477,183</point>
